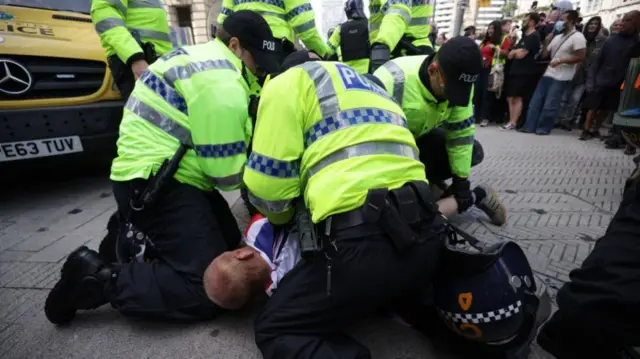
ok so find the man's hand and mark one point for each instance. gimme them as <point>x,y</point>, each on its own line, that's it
<point>547,40</point>
<point>138,67</point>
<point>512,53</point>
<point>555,62</point>
<point>461,190</point>
<point>380,54</point>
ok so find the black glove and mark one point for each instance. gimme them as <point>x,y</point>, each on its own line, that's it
<point>461,190</point>
<point>380,54</point>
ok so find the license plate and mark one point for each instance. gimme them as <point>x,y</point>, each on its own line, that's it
<point>15,151</point>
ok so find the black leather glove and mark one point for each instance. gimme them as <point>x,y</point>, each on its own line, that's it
<point>461,190</point>
<point>380,54</point>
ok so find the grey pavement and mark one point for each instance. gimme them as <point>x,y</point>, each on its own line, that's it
<point>561,194</point>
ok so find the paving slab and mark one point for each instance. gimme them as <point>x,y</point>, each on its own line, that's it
<point>560,193</point>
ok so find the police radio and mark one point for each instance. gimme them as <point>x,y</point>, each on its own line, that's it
<point>305,230</point>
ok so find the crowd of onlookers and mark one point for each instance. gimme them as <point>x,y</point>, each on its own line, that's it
<point>553,71</point>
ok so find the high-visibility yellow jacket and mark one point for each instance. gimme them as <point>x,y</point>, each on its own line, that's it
<point>118,21</point>
<point>362,65</point>
<point>194,95</point>
<point>424,113</point>
<point>286,18</point>
<point>391,19</point>
<point>337,136</point>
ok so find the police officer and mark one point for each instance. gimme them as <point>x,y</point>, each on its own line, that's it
<point>398,28</point>
<point>342,144</point>
<point>435,94</point>
<point>287,19</point>
<point>133,33</point>
<point>196,98</point>
<point>349,43</point>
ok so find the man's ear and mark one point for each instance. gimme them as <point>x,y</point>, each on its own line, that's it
<point>244,253</point>
<point>433,68</point>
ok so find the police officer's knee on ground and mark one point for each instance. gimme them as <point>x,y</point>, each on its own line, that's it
<point>190,106</point>
<point>435,94</point>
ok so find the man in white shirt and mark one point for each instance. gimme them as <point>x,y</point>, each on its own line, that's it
<point>566,51</point>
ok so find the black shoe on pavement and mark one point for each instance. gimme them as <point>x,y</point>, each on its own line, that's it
<point>630,150</point>
<point>84,277</point>
<point>585,135</point>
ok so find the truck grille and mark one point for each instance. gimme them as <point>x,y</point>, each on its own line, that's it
<point>53,77</point>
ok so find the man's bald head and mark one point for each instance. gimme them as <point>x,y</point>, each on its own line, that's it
<point>631,23</point>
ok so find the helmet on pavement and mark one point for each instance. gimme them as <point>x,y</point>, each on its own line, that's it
<point>354,9</point>
<point>487,294</point>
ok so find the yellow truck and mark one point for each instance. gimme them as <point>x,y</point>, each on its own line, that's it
<point>57,96</point>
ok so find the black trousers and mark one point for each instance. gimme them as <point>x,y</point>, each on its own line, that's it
<point>604,293</point>
<point>302,321</point>
<point>433,153</point>
<point>189,228</point>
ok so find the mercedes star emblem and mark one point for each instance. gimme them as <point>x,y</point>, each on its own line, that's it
<point>15,79</point>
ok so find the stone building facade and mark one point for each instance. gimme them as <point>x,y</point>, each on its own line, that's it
<point>203,14</point>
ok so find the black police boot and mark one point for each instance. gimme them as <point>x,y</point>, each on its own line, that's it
<point>107,247</point>
<point>83,283</point>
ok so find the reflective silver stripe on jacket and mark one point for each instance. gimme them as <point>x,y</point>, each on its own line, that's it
<point>401,12</point>
<point>184,72</point>
<point>108,24</point>
<point>375,26</point>
<point>460,141</point>
<point>269,13</point>
<point>145,4</point>
<point>304,27</point>
<point>152,34</point>
<point>228,181</point>
<point>419,21</point>
<point>333,118</point>
<point>398,81</point>
<point>161,121</point>
<point>118,5</point>
<point>176,130</point>
<point>275,206</point>
<point>363,149</point>
<point>112,22</point>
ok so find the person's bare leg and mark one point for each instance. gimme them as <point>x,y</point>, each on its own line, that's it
<point>586,132</point>
<point>599,118</point>
<point>514,115</point>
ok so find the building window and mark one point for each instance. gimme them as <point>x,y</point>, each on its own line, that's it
<point>184,16</point>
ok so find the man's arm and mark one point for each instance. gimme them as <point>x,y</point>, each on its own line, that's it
<point>595,67</point>
<point>504,48</point>
<point>302,20</point>
<point>546,45</point>
<point>218,130</point>
<point>460,134</point>
<point>334,45</point>
<point>272,174</point>
<point>226,10</point>
<point>579,51</point>
<point>394,23</point>
<point>531,45</point>
<point>108,18</point>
